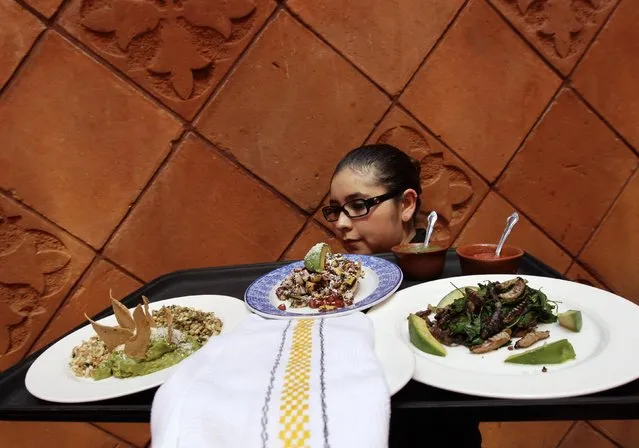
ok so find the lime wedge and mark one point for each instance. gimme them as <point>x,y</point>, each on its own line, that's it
<point>315,259</point>
<point>421,337</point>
<point>454,295</point>
<point>571,320</point>
<point>553,353</point>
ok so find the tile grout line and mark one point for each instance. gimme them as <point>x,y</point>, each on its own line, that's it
<point>470,217</point>
<point>564,84</point>
<point>533,222</point>
<point>528,43</point>
<point>567,79</point>
<point>228,156</point>
<point>395,101</point>
<point>563,438</point>
<point>593,40</point>
<point>295,238</point>
<point>443,143</point>
<point>9,196</point>
<point>242,56</point>
<point>72,290</point>
<point>578,263</point>
<point>526,138</point>
<point>30,9</point>
<point>603,434</point>
<point>52,27</point>
<point>116,437</point>
<point>609,125</point>
<point>23,62</point>
<point>175,144</point>
<point>608,211</point>
<point>105,64</point>
<point>238,60</point>
<point>47,20</point>
<point>322,39</point>
<point>103,257</point>
<point>596,276</point>
<point>97,254</point>
<point>96,259</point>
<point>574,89</point>
<point>323,226</point>
<point>432,50</point>
<point>395,98</point>
<point>567,84</point>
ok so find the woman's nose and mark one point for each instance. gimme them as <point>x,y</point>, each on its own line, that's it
<point>343,222</point>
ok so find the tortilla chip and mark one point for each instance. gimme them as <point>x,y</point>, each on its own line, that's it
<point>169,325</point>
<point>111,336</point>
<point>146,311</point>
<point>139,344</point>
<point>122,314</point>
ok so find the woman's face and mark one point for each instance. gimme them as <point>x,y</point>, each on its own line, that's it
<point>382,228</point>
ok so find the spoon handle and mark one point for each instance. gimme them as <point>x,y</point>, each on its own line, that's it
<point>432,219</point>
<point>510,223</point>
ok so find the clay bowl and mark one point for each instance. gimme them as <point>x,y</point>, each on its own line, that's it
<point>419,263</point>
<point>480,259</point>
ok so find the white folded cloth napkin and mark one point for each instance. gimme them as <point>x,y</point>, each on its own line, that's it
<point>278,383</point>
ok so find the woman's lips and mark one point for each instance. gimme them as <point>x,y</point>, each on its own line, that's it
<point>351,243</point>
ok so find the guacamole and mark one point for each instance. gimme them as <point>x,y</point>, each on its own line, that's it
<point>159,355</point>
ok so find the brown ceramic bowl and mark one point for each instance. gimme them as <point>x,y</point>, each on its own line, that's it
<point>418,263</point>
<point>480,259</point>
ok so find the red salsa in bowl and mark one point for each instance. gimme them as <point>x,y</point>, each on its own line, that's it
<point>481,259</point>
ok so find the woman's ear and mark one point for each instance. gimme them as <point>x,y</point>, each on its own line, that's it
<point>408,205</point>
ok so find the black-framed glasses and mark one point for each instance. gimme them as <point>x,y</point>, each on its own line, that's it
<point>357,207</point>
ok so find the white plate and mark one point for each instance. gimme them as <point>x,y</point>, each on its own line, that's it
<point>50,378</point>
<point>381,279</point>
<point>398,362</point>
<point>606,348</point>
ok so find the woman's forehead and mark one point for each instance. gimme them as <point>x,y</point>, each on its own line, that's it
<point>348,182</point>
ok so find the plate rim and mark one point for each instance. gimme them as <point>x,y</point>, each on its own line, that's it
<point>335,313</point>
<point>422,365</point>
<point>397,342</point>
<point>33,387</point>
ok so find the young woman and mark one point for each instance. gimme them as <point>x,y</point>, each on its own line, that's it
<point>374,201</point>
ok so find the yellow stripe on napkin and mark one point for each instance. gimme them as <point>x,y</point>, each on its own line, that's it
<point>294,414</point>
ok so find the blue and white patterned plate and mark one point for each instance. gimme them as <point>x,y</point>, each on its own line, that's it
<point>381,280</point>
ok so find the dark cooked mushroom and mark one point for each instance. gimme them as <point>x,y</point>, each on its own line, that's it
<point>515,292</point>
<point>505,286</point>
<point>493,343</point>
<point>473,297</point>
<point>516,312</point>
<point>493,323</point>
<point>532,338</point>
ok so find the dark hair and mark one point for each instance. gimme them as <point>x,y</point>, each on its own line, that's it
<point>391,167</point>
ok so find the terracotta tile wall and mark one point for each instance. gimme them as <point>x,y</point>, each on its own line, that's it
<point>140,137</point>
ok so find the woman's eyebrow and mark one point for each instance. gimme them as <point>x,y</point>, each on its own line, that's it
<point>356,195</point>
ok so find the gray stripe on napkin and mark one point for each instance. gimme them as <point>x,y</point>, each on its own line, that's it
<point>269,389</point>
<point>323,385</point>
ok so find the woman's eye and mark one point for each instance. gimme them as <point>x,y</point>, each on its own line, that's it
<point>357,206</point>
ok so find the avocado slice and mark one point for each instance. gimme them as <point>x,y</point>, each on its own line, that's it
<point>571,320</point>
<point>421,337</point>
<point>315,259</point>
<point>553,353</point>
<point>455,294</point>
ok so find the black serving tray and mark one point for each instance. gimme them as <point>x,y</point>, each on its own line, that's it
<point>17,404</point>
